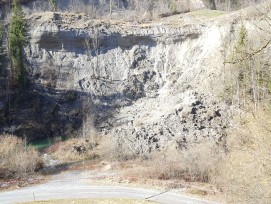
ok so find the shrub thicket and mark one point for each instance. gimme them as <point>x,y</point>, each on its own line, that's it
<point>16,158</point>
<point>244,174</point>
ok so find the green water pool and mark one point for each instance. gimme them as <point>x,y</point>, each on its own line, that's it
<point>41,144</point>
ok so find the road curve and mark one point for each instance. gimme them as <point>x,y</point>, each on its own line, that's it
<point>74,185</point>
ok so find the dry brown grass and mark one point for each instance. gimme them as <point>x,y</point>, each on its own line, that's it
<point>93,201</point>
<point>245,174</point>
<point>85,146</point>
<point>199,192</point>
<point>115,149</point>
<point>66,151</point>
<point>197,163</point>
<point>16,159</point>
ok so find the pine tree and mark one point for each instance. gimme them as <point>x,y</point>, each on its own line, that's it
<point>1,48</point>
<point>213,4</point>
<point>17,38</point>
<point>1,33</point>
<point>54,4</point>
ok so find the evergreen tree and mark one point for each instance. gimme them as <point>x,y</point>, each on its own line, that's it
<point>213,4</point>
<point>3,52</point>
<point>1,34</point>
<point>17,38</point>
<point>1,48</point>
<point>54,4</point>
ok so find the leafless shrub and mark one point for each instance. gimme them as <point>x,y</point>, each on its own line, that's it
<point>146,10</point>
<point>89,132</point>
<point>133,10</point>
<point>16,159</point>
<point>245,173</point>
<point>230,5</point>
<point>196,163</point>
<point>83,146</point>
<point>116,149</point>
<point>75,149</point>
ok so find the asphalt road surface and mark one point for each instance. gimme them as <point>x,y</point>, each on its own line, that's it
<point>75,185</point>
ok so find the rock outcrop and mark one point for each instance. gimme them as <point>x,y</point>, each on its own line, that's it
<point>146,84</point>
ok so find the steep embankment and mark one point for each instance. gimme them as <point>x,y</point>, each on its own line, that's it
<point>145,84</point>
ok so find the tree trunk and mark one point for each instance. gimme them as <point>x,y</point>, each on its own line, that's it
<point>110,7</point>
<point>213,4</point>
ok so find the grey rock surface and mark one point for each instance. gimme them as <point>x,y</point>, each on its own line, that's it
<point>144,84</point>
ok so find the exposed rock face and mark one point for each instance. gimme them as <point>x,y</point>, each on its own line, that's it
<point>147,84</point>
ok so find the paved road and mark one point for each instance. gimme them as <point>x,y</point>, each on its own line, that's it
<point>74,185</point>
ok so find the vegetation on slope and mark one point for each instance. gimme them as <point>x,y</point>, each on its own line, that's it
<point>2,52</point>
<point>16,158</point>
<point>137,10</point>
<point>17,38</point>
<point>244,174</point>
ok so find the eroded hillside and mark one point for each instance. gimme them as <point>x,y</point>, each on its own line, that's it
<point>142,84</point>
<point>145,84</point>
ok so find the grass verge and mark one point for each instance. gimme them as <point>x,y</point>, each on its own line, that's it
<point>92,201</point>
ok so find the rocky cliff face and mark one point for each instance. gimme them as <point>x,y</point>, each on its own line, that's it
<point>144,84</point>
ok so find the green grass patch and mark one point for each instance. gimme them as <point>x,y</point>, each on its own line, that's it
<point>206,13</point>
<point>92,201</point>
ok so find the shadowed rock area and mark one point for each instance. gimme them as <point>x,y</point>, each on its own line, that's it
<point>144,84</point>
